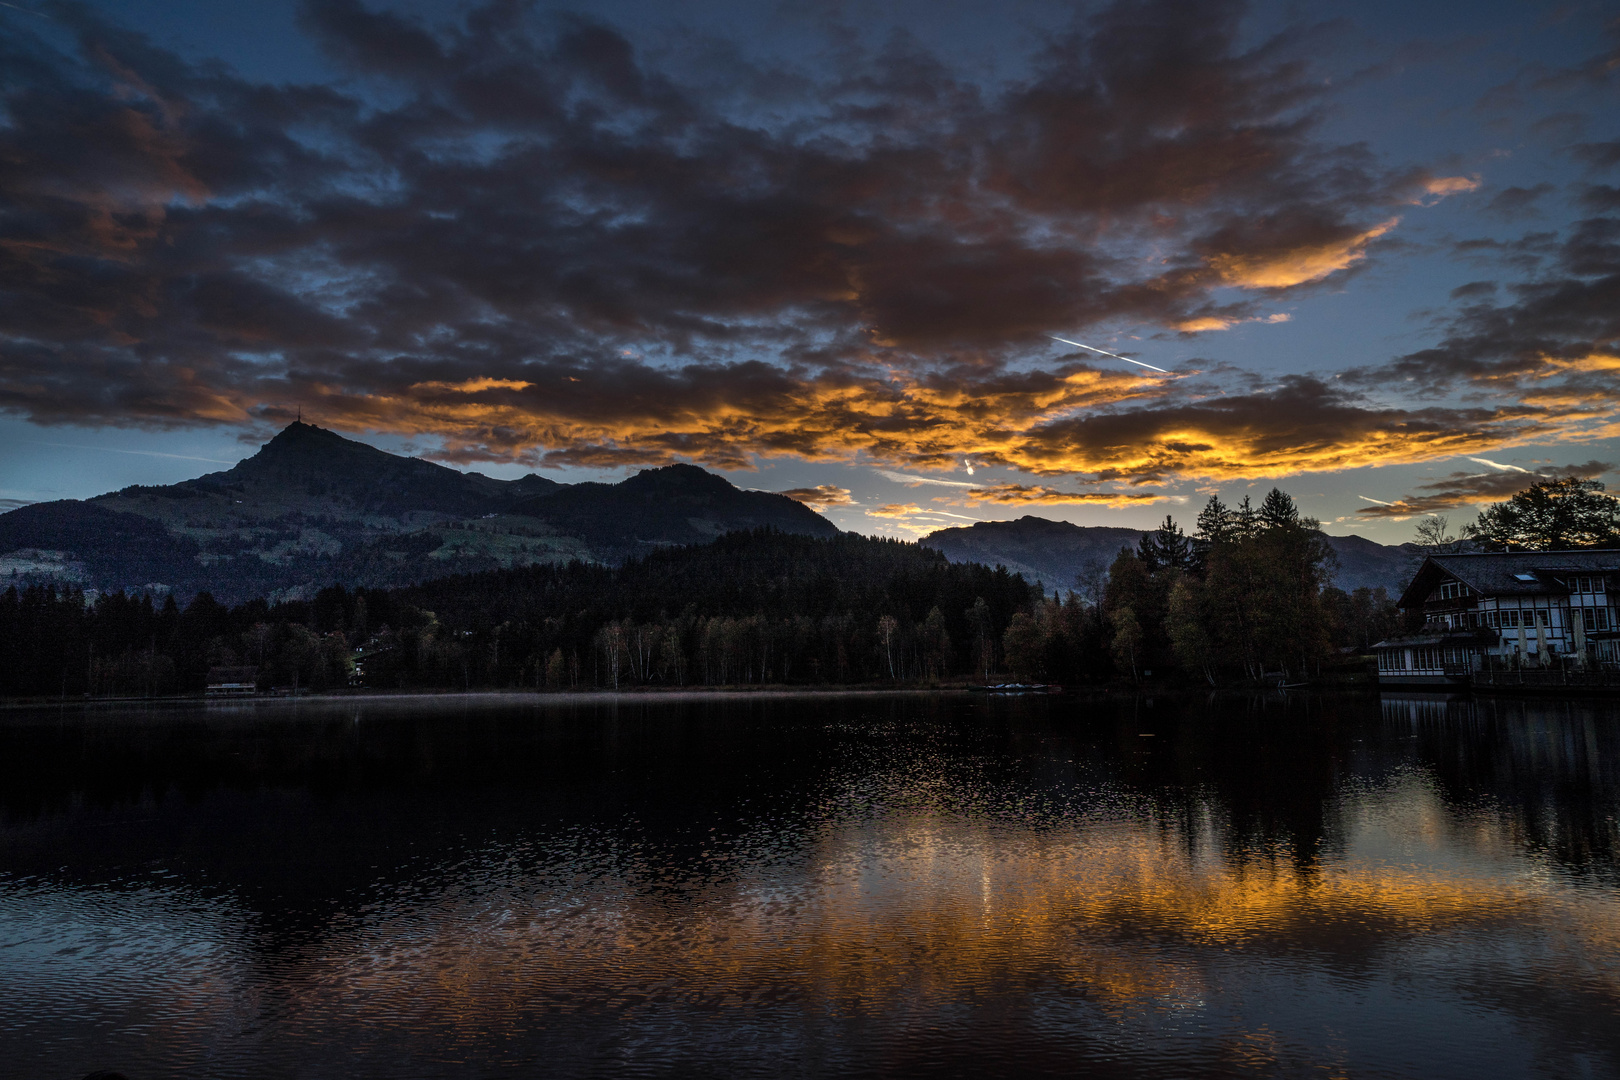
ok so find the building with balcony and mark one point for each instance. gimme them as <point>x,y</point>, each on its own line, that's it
<point>1495,610</point>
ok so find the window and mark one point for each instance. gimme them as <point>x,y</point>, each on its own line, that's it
<point>1595,618</point>
<point>1493,619</point>
<point>1544,618</point>
<point>1510,619</point>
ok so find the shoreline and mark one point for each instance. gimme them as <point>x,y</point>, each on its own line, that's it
<point>641,694</point>
<point>526,696</point>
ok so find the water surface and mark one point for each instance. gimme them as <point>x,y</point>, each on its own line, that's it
<point>812,886</point>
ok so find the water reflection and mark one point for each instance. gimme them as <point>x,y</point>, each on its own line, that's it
<point>850,886</point>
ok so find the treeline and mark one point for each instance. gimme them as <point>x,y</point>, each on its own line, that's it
<point>1244,598</point>
<point>751,608</point>
<point>1246,595</point>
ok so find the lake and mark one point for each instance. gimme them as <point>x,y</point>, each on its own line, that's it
<point>817,885</point>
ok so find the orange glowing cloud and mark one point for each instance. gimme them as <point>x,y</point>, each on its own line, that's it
<point>472,386</point>
<point>1442,186</point>
<point>1205,323</point>
<point>1298,266</point>
<point>820,496</point>
<point>1026,494</point>
<point>896,510</point>
<point>1108,426</point>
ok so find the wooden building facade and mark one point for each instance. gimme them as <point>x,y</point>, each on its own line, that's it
<point>1533,609</point>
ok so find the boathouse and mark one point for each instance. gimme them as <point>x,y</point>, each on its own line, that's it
<point>232,681</point>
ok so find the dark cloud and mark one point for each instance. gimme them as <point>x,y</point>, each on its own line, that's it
<point>1473,289</point>
<point>1563,127</point>
<point>1471,489</point>
<point>1554,343</point>
<point>1517,202</point>
<point>1601,198</point>
<point>1599,155</point>
<point>520,234</point>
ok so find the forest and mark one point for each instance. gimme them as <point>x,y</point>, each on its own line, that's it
<point>1246,594</point>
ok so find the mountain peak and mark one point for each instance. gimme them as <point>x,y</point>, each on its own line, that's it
<point>299,429</point>
<point>678,477</point>
<point>299,436</point>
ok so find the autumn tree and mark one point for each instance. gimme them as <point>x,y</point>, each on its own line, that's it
<point>983,629</point>
<point>1133,588</point>
<point>1188,629</point>
<point>1054,641</point>
<point>1433,535</point>
<point>1258,605</point>
<point>887,628</point>
<point>935,639</point>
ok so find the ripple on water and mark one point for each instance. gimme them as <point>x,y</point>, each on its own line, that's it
<point>785,894</point>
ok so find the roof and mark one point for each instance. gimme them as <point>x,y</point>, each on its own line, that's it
<point>1509,573</point>
<point>1479,636</point>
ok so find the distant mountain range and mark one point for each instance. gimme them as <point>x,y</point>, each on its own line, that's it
<point>312,508</point>
<point>1056,553</point>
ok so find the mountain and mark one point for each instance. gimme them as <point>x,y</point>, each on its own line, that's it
<point>1050,552</point>
<point>314,472</point>
<point>77,541</point>
<point>677,504</point>
<point>1364,562</point>
<point>313,508</point>
<point>1056,552</point>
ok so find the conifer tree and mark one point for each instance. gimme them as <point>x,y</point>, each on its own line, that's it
<point>1278,511</point>
<point>1216,523</point>
<point>1245,520</point>
<point>1165,548</point>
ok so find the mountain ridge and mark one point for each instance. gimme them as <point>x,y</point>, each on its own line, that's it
<point>1056,553</point>
<point>675,504</point>
<point>312,508</point>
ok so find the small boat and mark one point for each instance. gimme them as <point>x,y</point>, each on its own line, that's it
<point>1018,688</point>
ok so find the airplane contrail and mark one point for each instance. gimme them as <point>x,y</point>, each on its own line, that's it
<point>1498,465</point>
<point>142,453</point>
<point>1105,352</point>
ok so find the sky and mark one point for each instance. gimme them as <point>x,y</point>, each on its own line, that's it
<point>1370,251</point>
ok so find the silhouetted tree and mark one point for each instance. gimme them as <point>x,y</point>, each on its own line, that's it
<point>1551,515</point>
<point>1165,548</point>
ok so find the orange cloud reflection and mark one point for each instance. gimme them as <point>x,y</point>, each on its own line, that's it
<point>911,911</point>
